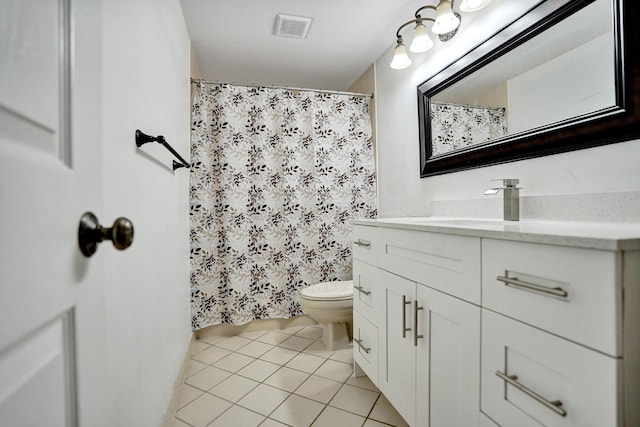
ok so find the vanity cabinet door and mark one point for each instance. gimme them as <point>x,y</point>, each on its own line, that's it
<point>365,346</point>
<point>365,244</point>
<point>445,262</point>
<point>368,295</point>
<point>447,364</point>
<point>572,292</point>
<point>397,353</point>
<point>368,316</point>
<point>532,378</point>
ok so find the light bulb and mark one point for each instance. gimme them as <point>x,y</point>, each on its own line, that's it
<point>446,21</point>
<point>421,40</point>
<point>400,58</point>
<point>473,5</point>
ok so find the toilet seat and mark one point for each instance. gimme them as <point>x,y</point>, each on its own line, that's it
<point>329,291</point>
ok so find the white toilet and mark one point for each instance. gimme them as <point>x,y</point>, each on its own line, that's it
<point>331,305</point>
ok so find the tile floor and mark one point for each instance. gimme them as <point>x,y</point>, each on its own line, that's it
<point>277,378</point>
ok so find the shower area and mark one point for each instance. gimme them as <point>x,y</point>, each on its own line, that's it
<point>457,126</point>
<point>277,177</point>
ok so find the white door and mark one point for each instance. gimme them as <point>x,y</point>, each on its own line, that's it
<point>52,334</point>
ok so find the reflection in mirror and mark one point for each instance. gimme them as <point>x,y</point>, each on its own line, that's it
<point>563,73</point>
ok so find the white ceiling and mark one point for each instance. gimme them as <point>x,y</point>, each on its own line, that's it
<point>233,39</point>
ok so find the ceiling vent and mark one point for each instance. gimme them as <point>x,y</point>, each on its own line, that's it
<point>292,26</point>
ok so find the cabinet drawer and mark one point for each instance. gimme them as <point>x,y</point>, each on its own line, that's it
<point>548,368</point>
<point>365,346</point>
<point>590,312</point>
<point>365,244</point>
<point>448,263</point>
<point>368,293</point>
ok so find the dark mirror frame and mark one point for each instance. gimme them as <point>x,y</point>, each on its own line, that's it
<point>610,125</point>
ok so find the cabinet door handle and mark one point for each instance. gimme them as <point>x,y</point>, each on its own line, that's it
<point>513,281</point>
<point>555,406</point>
<point>415,323</point>
<point>365,349</point>
<point>362,243</point>
<point>404,316</point>
<point>362,290</point>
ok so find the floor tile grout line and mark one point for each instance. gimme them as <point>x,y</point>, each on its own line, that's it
<point>269,361</point>
<point>342,384</point>
<point>280,366</point>
<point>290,393</point>
<point>177,417</point>
<point>240,406</point>
<point>189,385</point>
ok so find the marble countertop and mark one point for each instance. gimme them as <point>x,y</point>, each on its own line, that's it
<point>590,235</point>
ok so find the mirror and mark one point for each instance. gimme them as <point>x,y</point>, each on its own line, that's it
<point>554,80</point>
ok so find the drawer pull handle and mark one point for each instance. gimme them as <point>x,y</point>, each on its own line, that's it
<point>513,281</point>
<point>362,290</point>
<point>404,316</point>
<point>365,349</point>
<point>415,323</point>
<point>362,243</point>
<point>555,406</point>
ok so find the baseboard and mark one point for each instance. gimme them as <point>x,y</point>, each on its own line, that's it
<point>224,330</point>
<point>256,325</point>
<point>172,406</point>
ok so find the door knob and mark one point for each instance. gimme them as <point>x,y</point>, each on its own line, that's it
<point>90,233</point>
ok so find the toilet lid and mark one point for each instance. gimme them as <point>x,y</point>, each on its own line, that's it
<point>340,290</point>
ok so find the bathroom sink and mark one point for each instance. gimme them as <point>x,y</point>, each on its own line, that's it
<point>468,222</point>
<point>471,222</point>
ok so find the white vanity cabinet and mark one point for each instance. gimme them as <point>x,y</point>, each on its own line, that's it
<point>551,338</point>
<point>397,372</point>
<point>503,324</point>
<point>428,340</point>
<point>447,370</point>
<point>531,378</point>
<point>368,301</point>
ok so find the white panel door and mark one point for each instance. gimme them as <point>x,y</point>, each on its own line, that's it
<point>52,349</point>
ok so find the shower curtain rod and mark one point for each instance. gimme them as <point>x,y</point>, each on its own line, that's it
<point>333,92</point>
<point>465,105</point>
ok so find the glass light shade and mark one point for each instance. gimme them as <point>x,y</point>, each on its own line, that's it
<point>400,58</point>
<point>446,21</point>
<point>421,40</point>
<point>473,5</point>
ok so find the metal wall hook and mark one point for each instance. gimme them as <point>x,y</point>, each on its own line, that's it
<point>142,138</point>
<point>90,233</point>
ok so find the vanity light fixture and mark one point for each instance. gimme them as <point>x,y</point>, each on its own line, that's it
<point>446,21</point>
<point>400,58</point>
<point>445,25</point>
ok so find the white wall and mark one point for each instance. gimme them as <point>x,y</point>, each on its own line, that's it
<point>606,169</point>
<point>146,86</point>
<point>577,82</point>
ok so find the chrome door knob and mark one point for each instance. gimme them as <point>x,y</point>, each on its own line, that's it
<point>90,233</point>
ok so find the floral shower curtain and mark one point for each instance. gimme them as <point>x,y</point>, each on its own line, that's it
<point>277,177</point>
<point>456,126</point>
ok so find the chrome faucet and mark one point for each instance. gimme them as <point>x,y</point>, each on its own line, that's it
<point>511,198</point>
